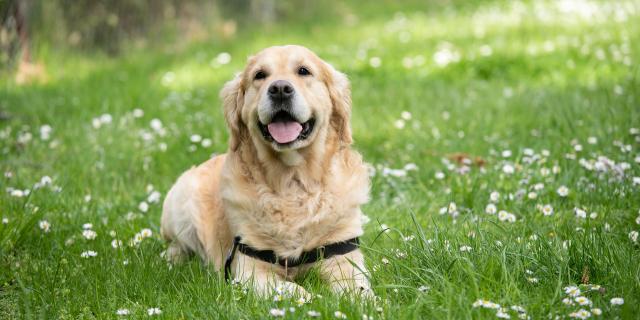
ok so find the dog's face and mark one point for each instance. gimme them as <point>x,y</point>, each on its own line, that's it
<point>286,99</point>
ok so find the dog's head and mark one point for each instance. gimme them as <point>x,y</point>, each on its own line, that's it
<point>287,99</point>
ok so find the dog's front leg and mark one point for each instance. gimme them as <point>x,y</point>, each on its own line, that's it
<point>266,279</point>
<point>347,274</point>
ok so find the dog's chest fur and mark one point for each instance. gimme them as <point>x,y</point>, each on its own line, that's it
<point>300,216</point>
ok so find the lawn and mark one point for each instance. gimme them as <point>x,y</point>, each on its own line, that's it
<point>505,138</point>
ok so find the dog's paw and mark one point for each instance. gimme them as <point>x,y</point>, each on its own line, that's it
<point>174,254</point>
<point>290,290</point>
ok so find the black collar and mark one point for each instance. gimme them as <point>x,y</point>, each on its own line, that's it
<point>311,256</point>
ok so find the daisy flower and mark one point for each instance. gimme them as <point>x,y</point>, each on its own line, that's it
<point>146,233</point>
<point>502,314</point>
<point>277,312</point>
<point>89,234</point>
<point>154,311</point>
<point>339,315</point>
<point>583,301</point>
<point>580,314</point>
<point>547,210</point>
<point>518,309</point>
<point>572,291</point>
<point>88,254</point>
<point>313,314</point>
<point>115,243</point>
<point>491,208</point>
<point>143,206</point>
<point>506,216</point>
<point>563,191</point>
<point>154,197</point>
<point>617,301</point>
<point>123,312</point>
<point>44,225</point>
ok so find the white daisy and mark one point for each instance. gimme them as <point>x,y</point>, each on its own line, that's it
<point>154,311</point>
<point>44,225</point>
<point>572,291</point>
<point>502,313</point>
<point>115,243</point>
<point>89,234</point>
<point>375,62</point>
<point>123,312</point>
<point>154,197</point>
<point>508,169</point>
<point>143,206</point>
<point>583,301</point>
<point>88,254</point>
<point>580,314</point>
<point>563,191</point>
<point>138,113</point>
<point>146,233</point>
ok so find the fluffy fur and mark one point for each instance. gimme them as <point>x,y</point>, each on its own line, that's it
<point>288,199</point>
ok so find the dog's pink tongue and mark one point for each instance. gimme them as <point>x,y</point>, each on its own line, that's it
<point>284,132</point>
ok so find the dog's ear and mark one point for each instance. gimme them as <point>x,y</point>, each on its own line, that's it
<point>232,95</point>
<point>340,93</point>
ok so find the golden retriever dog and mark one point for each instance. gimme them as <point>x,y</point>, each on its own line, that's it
<point>289,184</point>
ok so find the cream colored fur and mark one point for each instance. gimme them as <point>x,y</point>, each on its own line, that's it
<point>288,200</point>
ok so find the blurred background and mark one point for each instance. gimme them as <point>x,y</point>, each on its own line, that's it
<point>115,27</point>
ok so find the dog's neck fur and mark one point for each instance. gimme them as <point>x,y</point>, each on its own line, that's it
<point>305,168</point>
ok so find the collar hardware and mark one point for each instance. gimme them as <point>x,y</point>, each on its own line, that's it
<point>311,256</point>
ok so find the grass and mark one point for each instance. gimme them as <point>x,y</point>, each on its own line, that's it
<point>520,76</point>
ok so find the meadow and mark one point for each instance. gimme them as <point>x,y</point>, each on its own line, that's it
<point>504,141</point>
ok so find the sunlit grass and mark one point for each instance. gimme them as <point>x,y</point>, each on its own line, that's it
<point>430,89</point>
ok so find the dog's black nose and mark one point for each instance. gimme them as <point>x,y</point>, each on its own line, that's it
<point>281,90</point>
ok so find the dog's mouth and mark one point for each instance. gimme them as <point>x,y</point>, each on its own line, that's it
<point>284,129</point>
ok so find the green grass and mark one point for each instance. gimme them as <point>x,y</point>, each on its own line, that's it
<point>553,79</point>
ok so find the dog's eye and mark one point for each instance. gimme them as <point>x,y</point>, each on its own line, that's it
<point>260,75</point>
<point>304,71</point>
